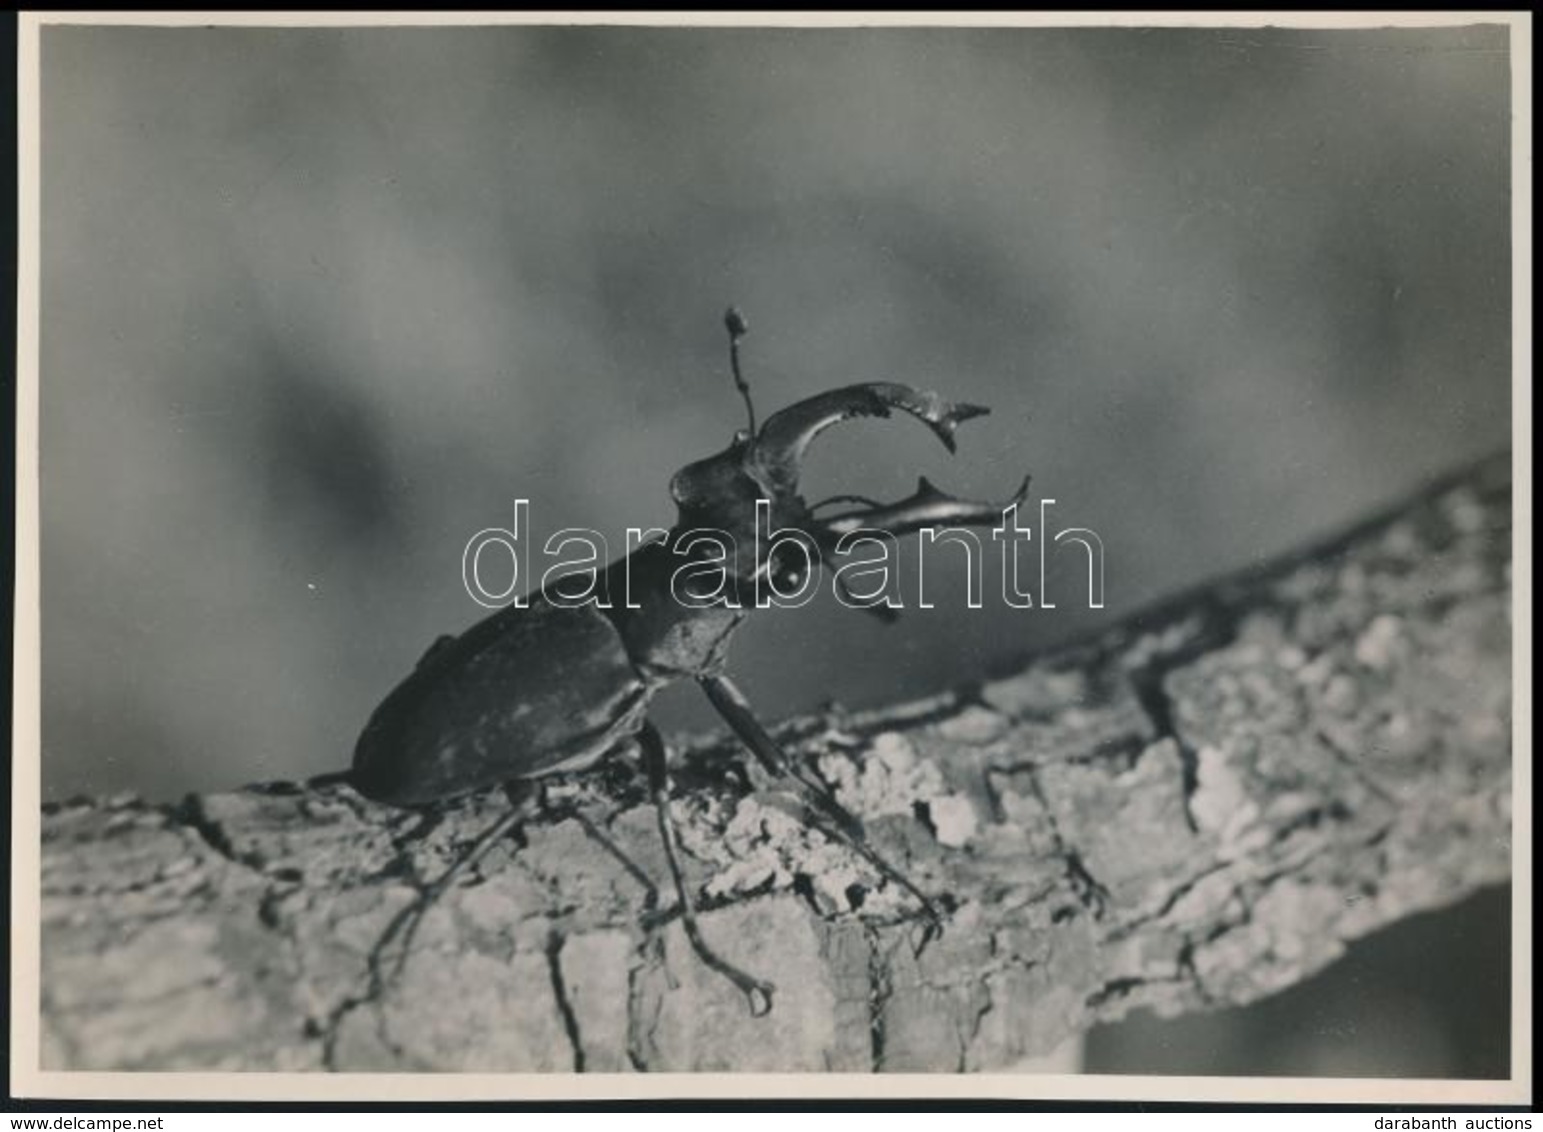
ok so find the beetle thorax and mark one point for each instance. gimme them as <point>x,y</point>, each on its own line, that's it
<point>729,496</point>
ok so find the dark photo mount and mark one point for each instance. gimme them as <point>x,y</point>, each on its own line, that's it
<point>1221,788</point>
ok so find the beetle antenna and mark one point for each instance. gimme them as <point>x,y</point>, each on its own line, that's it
<point>738,328</point>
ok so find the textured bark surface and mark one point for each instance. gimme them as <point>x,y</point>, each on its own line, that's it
<point>1194,810</point>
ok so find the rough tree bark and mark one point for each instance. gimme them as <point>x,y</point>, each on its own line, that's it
<point>1196,809</point>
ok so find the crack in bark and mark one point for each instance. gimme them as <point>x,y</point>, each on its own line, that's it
<point>643,1008</point>
<point>1127,985</point>
<point>909,717</point>
<point>1115,988</point>
<point>1152,694</point>
<point>986,1007</point>
<point>565,1010</point>
<point>87,1006</point>
<point>1179,892</point>
<point>1354,766</point>
<point>192,813</point>
<point>880,989</point>
<point>1189,970</point>
<point>1092,894</point>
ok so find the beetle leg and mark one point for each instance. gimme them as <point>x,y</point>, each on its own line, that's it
<point>736,710</point>
<point>405,924</point>
<point>655,760</point>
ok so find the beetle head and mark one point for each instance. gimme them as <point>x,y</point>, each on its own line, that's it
<point>721,492</point>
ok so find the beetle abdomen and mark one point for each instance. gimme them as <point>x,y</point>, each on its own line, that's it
<point>524,693</point>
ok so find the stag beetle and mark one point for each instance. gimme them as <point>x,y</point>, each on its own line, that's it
<point>551,688</point>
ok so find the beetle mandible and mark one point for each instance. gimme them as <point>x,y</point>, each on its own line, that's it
<point>551,688</point>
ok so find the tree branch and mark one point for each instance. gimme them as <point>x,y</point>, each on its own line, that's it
<point>1196,809</point>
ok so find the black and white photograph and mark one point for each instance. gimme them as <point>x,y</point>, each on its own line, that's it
<point>556,553</point>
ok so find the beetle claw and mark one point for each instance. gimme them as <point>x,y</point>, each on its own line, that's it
<point>759,995</point>
<point>926,507</point>
<point>932,931</point>
<point>784,438</point>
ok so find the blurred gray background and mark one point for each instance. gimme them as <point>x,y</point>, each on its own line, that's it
<point>319,304</point>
